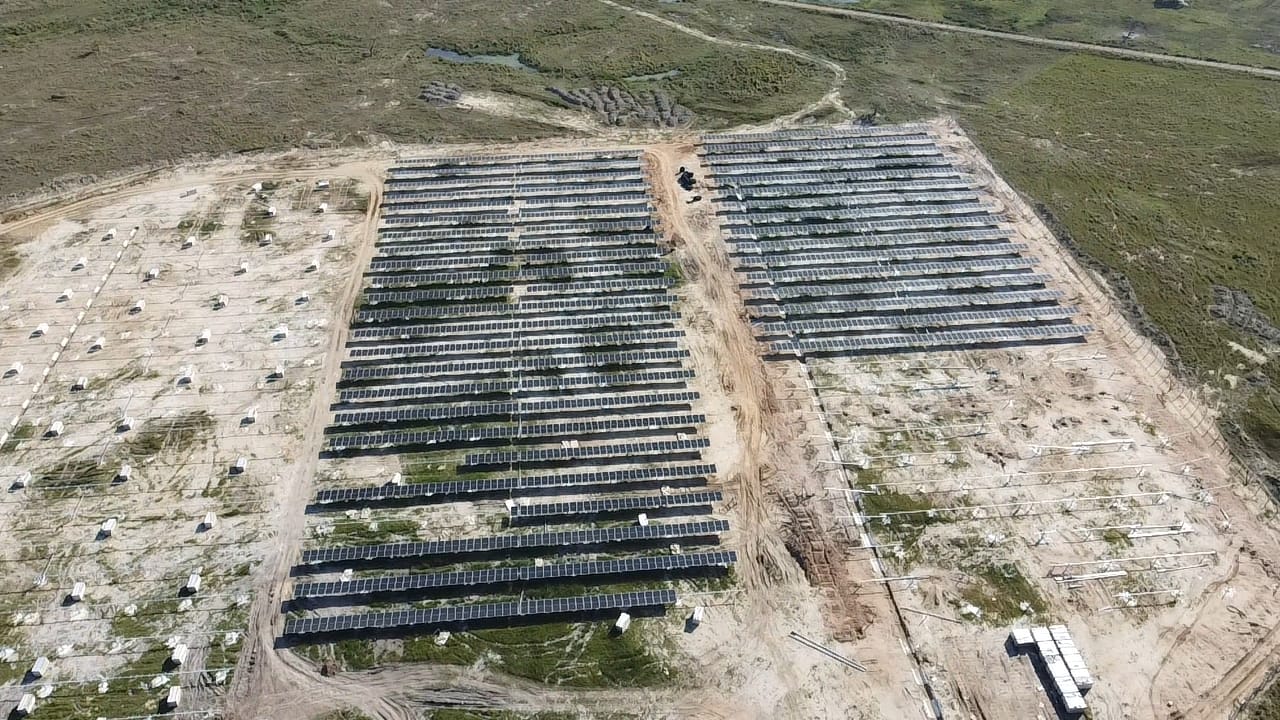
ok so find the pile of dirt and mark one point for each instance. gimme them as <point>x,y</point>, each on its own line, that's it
<point>440,93</point>
<point>622,107</point>
<point>1236,308</point>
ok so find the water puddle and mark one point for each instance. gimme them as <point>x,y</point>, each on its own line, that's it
<point>655,76</point>
<point>511,61</point>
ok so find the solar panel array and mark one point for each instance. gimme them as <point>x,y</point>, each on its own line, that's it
<point>867,240</point>
<point>426,582</point>
<point>518,350</point>
<point>450,615</point>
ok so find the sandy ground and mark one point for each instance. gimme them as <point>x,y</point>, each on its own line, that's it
<point>1199,638</point>
<point>134,576</point>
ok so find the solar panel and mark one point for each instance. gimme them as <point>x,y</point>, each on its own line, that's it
<point>629,566</point>
<point>799,215</point>
<point>818,133</point>
<point>718,162</point>
<point>446,294</point>
<point>851,200</point>
<point>462,488</point>
<point>810,166</point>
<point>767,146</point>
<point>430,413</point>
<point>522,274</point>
<point>464,183</point>
<point>524,363</point>
<point>524,307</point>
<point>920,302</point>
<point>514,542</point>
<point>409,205</point>
<point>518,190</point>
<point>731,185</point>
<point>888,255</point>
<point>882,225</point>
<point>844,242</point>
<point>637,426</point>
<point>911,286</point>
<point>423,618</point>
<point>514,385</point>
<point>631,504</point>
<point>598,321</point>
<point>505,345</point>
<point>865,324</point>
<point>627,450</point>
<point>944,338</point>
<point>755,193</point>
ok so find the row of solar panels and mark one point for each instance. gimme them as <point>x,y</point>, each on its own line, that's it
<point>505,243</point>
<point>631,450</point>
<point>515,574</point>
<point>816,133</point>
<point>531,218</point>
<point>515,192</point>
<point>437,413</point>
<point>464,488</point>
<point>901,321</point>
<point>664,424</point>
<point>442,183</point>
<point>800,216</point>
<point>907,303</point>
<point>946,338</point>
<point>481,347</point>
<point>507,159</point>
<point>459,205</point>
<point>800,181</point>
<point>500,165</point>
<point>514,542</point>
<point>631,504</point>
<point>719,162</point>
<point>498,174</point>
<point>883,225</point>
<point>886,256</point>
<point>594,322</point>
<point>578,229</point>
<point>853,190</point>
<point>709,150</point>
<point>890,270</point>
<point>726,174</point>
<point>896,287</point>
<point>522,274</point>
<point>630,285</point>
<point>850,201</point>
<point>859,242</point>
<point>409,261</point>
<point>514,364</point>
<point>513,309</point>
<point>434,617</point>
<point>519,384</point>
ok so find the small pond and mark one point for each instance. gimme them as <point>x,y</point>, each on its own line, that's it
<point>511,61</point>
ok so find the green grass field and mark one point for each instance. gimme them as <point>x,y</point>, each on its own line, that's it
<point>121,84</point>
<point>1239,31</point>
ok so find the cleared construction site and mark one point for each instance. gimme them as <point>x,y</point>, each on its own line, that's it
<point>814,422</point>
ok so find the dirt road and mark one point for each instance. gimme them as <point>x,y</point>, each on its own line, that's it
<point>1033,40</point>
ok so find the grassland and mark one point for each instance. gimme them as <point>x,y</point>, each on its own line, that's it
<point>124,84</point>
<point>575,655</point>
<point>1240,31</point>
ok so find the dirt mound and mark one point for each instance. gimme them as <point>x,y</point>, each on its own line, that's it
<point>622,107</point>
<point>440,93</point>
<point>1236,308</point>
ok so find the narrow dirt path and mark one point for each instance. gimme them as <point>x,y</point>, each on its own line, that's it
<point>832,97</point>
<point>1031,39</point>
